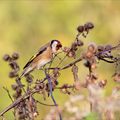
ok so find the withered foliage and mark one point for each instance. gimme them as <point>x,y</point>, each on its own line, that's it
<point>24,104</point>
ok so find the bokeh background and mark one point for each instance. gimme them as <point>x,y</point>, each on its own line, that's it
<point>25,25</point>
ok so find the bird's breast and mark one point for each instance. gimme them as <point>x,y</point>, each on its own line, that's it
<point>43,58</point>
<point>42,62</point>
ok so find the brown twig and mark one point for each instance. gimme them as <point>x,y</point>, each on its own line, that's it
<point>72,63</point>
<point>44,103</point>
<point>50,88</point>
<point>16,102</point>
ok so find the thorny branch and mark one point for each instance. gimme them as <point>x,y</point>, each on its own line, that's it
<point>24,104</point>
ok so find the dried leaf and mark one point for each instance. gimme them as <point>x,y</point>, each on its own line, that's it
<point>75,72</point>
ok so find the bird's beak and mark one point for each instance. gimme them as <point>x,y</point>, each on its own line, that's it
<point>59,46</point>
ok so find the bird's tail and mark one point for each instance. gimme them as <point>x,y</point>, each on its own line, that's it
<point>26,71</point>
<point>22,74</point>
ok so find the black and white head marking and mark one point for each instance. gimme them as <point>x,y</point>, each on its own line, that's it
<point>55,45</point>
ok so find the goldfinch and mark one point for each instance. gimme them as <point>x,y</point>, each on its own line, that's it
<point>43,56</point>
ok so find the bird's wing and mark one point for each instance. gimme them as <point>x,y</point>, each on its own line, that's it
<point>41,50</point>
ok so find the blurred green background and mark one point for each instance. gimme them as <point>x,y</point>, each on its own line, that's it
<point>25,25</point>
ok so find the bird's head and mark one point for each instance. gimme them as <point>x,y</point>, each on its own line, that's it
<point>55,45</point>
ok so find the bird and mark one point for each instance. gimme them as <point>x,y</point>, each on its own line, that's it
<point>44,55</point>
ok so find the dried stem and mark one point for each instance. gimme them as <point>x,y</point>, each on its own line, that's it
<point>49,83</point>
<point>8,93</point>
<point>50,87</point>
<point>16,102</point>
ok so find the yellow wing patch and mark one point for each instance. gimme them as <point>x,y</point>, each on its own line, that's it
<point>33,57</point>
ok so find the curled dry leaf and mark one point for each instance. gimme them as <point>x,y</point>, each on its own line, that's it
<point>92,48</point>
<point>75,72</point>
<point>15,56</point>
<point>77,85</point>
<point>6,57</point>
<point>116,77</point>
<point>102,83</point>
<point>66,49</point>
